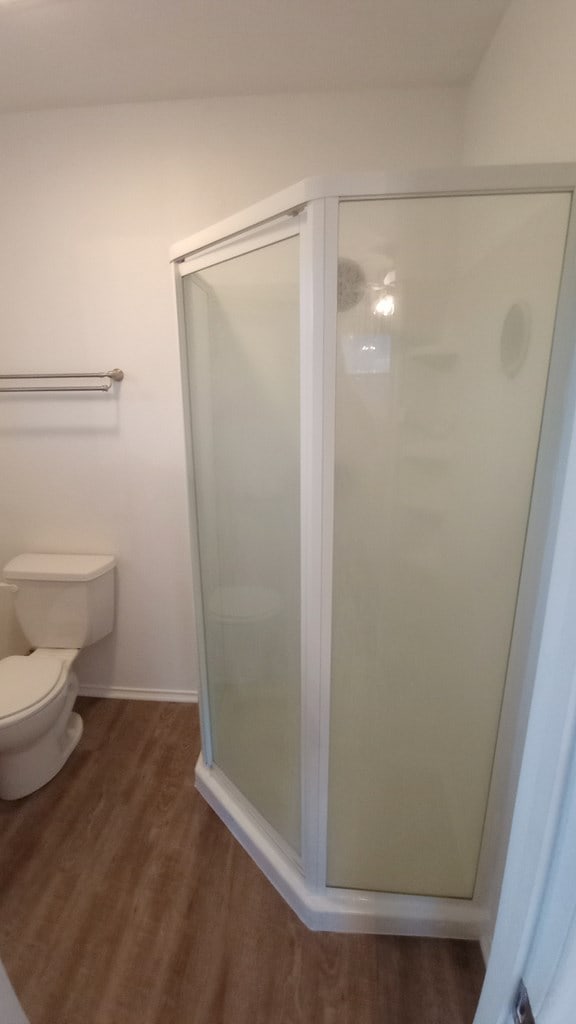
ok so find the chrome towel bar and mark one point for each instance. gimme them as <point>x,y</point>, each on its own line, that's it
<point>108,379</point>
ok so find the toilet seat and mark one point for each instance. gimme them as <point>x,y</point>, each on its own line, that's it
<point>28,682</point>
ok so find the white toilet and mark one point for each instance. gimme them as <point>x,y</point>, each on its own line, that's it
<point>63,603</point>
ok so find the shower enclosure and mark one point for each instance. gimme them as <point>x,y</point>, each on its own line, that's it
<point>374,385</point>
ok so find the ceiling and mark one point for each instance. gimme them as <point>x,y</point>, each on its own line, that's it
<point>59,53</point>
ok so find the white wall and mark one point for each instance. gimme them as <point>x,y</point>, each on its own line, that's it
<point>90,200</point>
<point>521,103</point>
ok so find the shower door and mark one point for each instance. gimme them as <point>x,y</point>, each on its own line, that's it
<point>445,322</point>
<point>242,323</point>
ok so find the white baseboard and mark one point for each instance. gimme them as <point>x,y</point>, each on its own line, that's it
<point>133,693</point>
<point>330,909</point>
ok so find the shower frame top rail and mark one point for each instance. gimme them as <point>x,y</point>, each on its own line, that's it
<point>108,377</point>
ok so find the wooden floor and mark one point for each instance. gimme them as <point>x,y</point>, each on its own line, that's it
<point>124,900</point>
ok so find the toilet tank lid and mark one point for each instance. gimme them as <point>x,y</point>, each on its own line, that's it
<point>58,567</point>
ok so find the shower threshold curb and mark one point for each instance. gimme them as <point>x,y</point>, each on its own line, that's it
<point>331,909</point>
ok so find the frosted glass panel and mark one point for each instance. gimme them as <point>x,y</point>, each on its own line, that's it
<point>446,313</point>
<point>242,321</point>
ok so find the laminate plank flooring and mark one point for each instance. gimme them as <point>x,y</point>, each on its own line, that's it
<point>124,900</point>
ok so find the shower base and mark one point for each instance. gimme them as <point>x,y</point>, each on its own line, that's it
<point>325,908</point>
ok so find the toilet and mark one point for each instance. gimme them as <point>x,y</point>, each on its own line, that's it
<point>63,603</point>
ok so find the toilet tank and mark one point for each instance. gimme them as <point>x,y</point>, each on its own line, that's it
<point>63,600</point>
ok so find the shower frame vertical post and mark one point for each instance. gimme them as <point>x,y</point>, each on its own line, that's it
<point>318,264</point>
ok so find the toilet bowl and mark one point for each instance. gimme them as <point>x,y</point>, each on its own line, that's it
<point>63,603</point>
<point>38,729</point>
